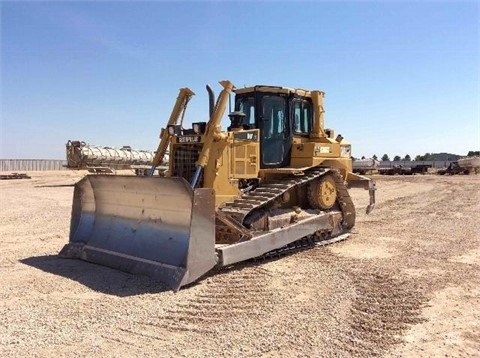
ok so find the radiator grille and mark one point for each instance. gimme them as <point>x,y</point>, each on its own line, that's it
<point>184,159</point>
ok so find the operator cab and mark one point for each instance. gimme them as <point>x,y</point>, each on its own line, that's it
<point>281,114</point>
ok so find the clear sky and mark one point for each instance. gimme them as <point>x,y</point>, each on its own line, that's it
<point>400,77</point>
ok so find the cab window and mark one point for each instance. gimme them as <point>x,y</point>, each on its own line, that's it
<point>247,106</point>
<point>302,117</point>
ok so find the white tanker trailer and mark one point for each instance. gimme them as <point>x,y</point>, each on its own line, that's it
<point>98,159</point>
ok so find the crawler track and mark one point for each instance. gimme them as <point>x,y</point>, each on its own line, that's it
<point>264,196</point>
<point>304,243</point>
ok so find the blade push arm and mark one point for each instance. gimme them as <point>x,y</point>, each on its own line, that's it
<point>183,97</point>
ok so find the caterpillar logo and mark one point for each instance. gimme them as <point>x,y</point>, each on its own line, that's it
<point>189,139</point>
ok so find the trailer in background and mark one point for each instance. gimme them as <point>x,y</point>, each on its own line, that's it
<point>105,160</point>
<point>15,176</point>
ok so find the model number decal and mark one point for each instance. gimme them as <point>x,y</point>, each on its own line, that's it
<point>322,149</point>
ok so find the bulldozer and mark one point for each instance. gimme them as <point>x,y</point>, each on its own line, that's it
<point>275,180</point>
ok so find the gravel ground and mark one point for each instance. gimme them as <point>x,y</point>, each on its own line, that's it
<point>406,283</point>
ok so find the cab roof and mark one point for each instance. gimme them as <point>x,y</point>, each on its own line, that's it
<point>275,89</point>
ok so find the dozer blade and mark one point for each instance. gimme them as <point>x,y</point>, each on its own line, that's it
<point>153,226</point>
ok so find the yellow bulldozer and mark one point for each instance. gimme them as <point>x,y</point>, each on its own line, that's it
<point>276,179</point>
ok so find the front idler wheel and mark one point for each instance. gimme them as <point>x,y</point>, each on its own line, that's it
<point>322,193</point>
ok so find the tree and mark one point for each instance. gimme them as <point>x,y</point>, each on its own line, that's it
<point>473,153</point>
<point>375,157</point>
<point>425,158</point>
<point>396,158</point>
<point>407,158</point>
<point>385,158</point>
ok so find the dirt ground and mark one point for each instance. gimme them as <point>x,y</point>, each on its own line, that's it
<point>405,284</point>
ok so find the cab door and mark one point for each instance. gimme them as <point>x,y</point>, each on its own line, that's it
<point>275,141</point>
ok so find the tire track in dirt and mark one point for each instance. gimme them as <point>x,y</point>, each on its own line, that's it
<point>425,225</point>
<point>361,307</point>
<point>218,302</point>
<point>223,299</point>
<point>381,309</point>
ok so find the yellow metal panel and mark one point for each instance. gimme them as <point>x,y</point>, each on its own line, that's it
<point>303,162</point>
<point>253,155</point>
<point>217,173</point>
<point>239,152</point>
<point>316,149</point>
<point>245,154</point>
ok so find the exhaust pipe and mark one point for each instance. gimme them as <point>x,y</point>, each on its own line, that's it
<point>211,100</point>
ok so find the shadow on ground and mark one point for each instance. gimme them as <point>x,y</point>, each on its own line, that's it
<point>98,278</point>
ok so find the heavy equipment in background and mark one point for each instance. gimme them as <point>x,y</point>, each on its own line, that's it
<point>99,159</point>
<point>362,166</point>
<point>399,169</point>
<point>275,180</point>
<point>471,164</point>
<point>462,166</point>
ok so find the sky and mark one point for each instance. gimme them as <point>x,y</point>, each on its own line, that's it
<point>400,77</point>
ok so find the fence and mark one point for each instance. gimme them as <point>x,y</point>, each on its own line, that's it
<point>31,164</point>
